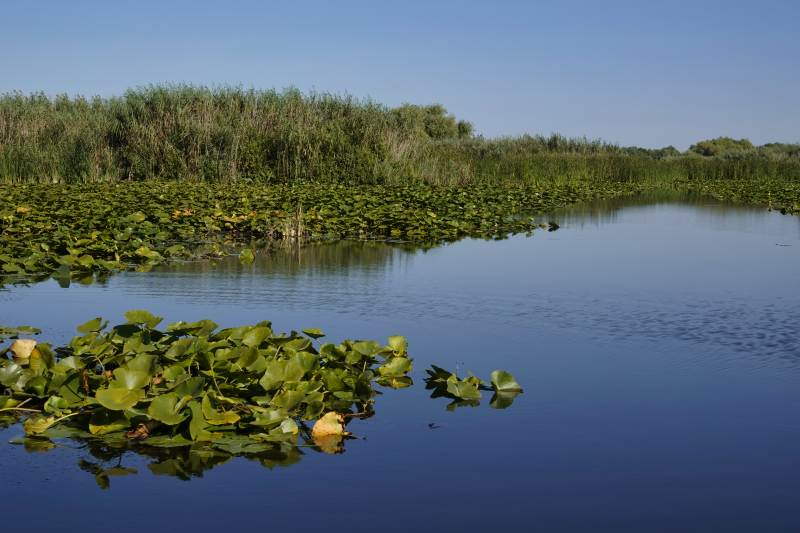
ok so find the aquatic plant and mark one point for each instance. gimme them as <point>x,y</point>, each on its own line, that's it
<point>237,390</point>
<point>75,231</point>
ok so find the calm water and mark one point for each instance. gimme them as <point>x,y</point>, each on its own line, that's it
<point>657,343</point>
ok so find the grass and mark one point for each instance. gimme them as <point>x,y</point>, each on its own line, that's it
<point>229,134</point>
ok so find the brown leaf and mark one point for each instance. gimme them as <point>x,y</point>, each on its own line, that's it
<point>331,423</point>
<point>22,348</point>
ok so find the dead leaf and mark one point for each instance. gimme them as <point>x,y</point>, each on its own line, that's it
<point>23,350</point>
<point>331,423</point>
<point>328,433</point>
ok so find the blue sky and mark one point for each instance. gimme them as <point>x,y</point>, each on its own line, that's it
<point>645,73</point>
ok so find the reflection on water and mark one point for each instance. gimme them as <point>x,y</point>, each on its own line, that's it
<point>705,212</point>
<point>105,460</point>
<point>342,258</point>
<point>656,339</point>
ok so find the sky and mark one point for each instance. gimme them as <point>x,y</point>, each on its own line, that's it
<point>631,72</point>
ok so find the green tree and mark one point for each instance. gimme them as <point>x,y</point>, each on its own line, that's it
<point>721,146</point>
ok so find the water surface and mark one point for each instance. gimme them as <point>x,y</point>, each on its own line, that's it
<point>657,343</point>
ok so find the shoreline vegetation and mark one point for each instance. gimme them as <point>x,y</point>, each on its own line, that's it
<point>229,134</point>
<point>163,173</point>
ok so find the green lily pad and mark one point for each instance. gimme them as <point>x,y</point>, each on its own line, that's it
<point>119,399</point>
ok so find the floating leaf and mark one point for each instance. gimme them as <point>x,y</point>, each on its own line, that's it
<point>502,381</point>
<point>143,317</point>
<point>398,344</point>
<point>94,325</point>
<point>256,336</point>
<point>462,389</point>
<point>330,423</point>
<point>216,417</point>
<point>314,333</point>
<point>104,422</point>
<point>395,367</point>
<point>167,409</point>
<point>119,399</point>
<point>23,348</point>
<point>38,424</point>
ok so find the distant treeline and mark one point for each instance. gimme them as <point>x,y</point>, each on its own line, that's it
<point>197,133</point>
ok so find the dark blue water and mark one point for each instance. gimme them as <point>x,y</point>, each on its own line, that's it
<point>657,344</point>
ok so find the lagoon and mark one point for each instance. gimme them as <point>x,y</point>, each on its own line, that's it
<point>656,339</point>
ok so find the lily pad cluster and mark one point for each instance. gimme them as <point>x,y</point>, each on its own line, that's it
<point>191,395</point>
<point>239,389</point>
<point>467,391</point>
<point>194,382</point>
<point>77,231</point>
<point>14,332</point>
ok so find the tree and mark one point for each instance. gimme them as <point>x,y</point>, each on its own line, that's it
<point>721,146</point>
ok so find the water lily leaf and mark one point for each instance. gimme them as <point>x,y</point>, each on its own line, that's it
<point>280,371</point>
<point>10,374</point>
<point>126,378</point>
<point>104,422</point>
<point>8,402</point>
<point>215,417</point>
<point>94,325</point>
<point>41,359</point>
<point>331,423</point>
<point>140,316</point>
<point>119,399</point>
<point>55,405</point>
<point>367,347</point>
<point>314,333</point>
<point>69,363</point>
<point>167,408</point>
<point>38,424</point>
<point>289,426</point>
<point>144,362</point>
<point>190,387</point>
<point>395,367</point>
<point>288,399</point>
<point>502,381</point>
<point>136,217</point>
<point>269,418</point>
<point>199,328</point>
<point>23,348</point>
<point>256,336</point>
<point>198,426</point>
<point>36,385</point>
<point>401,382</point>
<point>398,344</point>
<point>462,389</point>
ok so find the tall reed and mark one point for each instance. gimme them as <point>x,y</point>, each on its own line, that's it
<point>201,134</point>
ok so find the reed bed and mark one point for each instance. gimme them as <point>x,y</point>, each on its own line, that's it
<point>230,134</point>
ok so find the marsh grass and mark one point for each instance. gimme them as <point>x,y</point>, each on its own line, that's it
<point>230,134</point>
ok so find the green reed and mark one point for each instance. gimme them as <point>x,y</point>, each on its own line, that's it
<point>231,134</point>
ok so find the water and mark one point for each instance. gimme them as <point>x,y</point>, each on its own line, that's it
<point>657,343</point>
